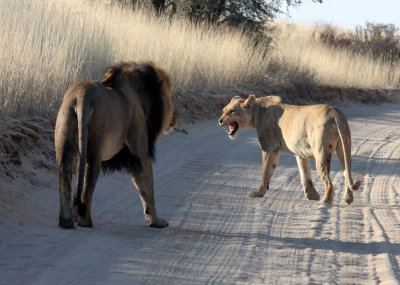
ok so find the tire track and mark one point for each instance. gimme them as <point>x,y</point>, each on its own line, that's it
<point>205,230</point>
<point>384,218</point>
<point>381,215</point>
<point>218,235</point>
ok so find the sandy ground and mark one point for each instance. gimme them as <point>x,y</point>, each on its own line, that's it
<point>218,235</point>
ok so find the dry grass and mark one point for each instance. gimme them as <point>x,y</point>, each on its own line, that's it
<point>46,45</point>
<point>297,49</point>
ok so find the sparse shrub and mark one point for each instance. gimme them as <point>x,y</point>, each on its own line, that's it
<point>381,41</point>
<point>326,61</point>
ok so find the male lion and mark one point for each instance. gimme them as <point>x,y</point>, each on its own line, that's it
<point>314,132</point>
<point>112,125</point>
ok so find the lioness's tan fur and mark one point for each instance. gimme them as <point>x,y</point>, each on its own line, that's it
<point>308,132</point>
<point>112,124</point>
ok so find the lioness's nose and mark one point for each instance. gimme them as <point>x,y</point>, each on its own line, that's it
<point>220,122</point>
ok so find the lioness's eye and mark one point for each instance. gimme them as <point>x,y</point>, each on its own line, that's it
<point>231,112</point>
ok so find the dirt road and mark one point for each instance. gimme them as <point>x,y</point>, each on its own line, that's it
<point>218,235</point>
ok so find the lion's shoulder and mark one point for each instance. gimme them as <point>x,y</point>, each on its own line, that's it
<point>145,82</point>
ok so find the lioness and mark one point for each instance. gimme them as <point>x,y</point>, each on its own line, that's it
<point>314,132</point>
<point>112,125</point>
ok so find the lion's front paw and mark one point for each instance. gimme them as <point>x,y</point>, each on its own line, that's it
<point>256,194</point>
<point>158,223</point>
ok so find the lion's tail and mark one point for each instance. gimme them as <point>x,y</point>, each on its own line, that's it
<point>345,137</point>
<point>82,112</point>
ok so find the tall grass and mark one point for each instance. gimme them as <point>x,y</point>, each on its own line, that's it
<point>46,45</point>
<point>297,49</point>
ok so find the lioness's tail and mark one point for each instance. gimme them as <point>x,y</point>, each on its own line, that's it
<point>82,112</point>
<point>345,137</point>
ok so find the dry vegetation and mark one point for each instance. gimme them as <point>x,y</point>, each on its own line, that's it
<point>308,58</point>
<point>48,44</point>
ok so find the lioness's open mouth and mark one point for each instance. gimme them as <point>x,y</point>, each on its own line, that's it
<point>231,128</point>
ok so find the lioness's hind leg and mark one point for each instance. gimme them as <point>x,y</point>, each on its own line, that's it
<point>144,185</point>
<point>348,193</point>
<point>306,181</point>
<point>323,164</point>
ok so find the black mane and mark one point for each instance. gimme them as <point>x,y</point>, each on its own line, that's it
<point>123,161</point>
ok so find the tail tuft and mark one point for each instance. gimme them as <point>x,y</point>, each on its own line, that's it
<point>356,185</point>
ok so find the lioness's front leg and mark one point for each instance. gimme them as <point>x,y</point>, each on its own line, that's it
<point>144,184</point>
<point>270,161</point>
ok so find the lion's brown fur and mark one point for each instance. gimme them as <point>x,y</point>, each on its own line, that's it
<point>112,124</point>
<point>149,91</point>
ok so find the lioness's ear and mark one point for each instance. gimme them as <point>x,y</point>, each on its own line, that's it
<point>249,102</point>
<point>235,98</point>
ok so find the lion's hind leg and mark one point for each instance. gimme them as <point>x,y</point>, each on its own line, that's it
<point>306,181</point>
<point>65,176</point>
<point>66,147</point>
<point>83,204</point>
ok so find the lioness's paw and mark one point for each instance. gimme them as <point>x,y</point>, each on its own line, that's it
<point>327,200</point>
<point>255,194</point>
<point>311,194</point>
<point>159,223</point>
<point>349,198</point>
